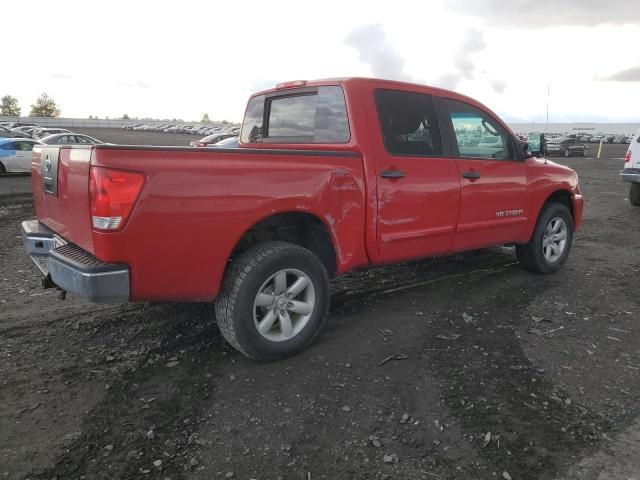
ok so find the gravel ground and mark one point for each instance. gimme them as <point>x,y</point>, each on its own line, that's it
<point>463,367</point>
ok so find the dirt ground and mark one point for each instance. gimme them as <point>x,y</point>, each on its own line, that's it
<point>464,367</point>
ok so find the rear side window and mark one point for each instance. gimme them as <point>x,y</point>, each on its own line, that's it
<point>317,115</point>
<point>26,146</point>
<point>408,123</point>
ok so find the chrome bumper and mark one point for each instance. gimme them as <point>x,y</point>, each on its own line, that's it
<point>73,269</point>
<point>631,175</point>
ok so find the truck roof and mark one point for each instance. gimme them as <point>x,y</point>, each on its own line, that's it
<point>363,80</point>
<point>381,83</point>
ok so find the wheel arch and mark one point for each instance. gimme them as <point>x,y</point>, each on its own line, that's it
<point>560,196</point>
<point>299,228</point>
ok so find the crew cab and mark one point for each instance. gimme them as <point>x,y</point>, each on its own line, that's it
<point>329,176</point>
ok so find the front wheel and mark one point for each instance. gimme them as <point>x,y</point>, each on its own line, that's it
<point>551,241</point>
<point>634,194</point>
<point>274,300</point>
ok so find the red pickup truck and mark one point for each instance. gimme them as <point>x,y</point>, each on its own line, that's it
<point>330,176</point>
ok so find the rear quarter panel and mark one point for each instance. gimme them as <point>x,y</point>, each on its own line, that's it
<point>197,204</point>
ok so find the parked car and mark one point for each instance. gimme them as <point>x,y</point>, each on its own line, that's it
<point>39,133</point>
<point>7,133</point>
<point>70,139</point>
<point>210,139</point>
<point>231,142</point>
<point>12,125</point>
<point>596,139</point>
<point>322,187</point>
<point>566,147</point>
<point>631,169</point>
<point>15,155</point>
<point>24,132</point>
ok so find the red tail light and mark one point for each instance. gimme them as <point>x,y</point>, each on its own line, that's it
<point>112,194</point>
<point>627,156</point>
<point>201,144</point>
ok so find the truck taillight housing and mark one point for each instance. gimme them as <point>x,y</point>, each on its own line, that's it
<point>627,156</point>
<point>112,194</point>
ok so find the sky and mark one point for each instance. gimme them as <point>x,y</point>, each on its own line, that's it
<point>183,59</point>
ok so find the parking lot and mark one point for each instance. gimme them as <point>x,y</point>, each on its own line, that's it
<point>462,367</point>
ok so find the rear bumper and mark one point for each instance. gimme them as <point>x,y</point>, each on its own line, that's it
<point>631,175</point>
<point>73,269</point>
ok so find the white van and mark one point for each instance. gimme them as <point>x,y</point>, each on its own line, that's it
<point>631,172</point>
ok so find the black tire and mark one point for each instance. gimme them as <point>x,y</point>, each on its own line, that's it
<point>531,255</point>
<point>634,194</point>
<point>2,169</point>
<point>241,284</point>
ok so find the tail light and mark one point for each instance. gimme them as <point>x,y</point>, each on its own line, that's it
<point>627,156</point>
<point>112,194</point>
<point>201,144</point>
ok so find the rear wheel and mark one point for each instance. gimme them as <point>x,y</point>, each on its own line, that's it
<point>634,194</point>
<point>550,243</point>
<point>273,301</point>
<point>2,169</point>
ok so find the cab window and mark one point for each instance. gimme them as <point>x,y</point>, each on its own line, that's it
<point>477,134</point>
<point>408,123</point>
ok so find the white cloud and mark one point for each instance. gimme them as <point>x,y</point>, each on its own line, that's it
<point>374,50</point>
<point>543,13</point>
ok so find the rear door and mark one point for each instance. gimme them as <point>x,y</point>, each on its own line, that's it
<point>23,154</point>
<point>418,186</point>
<point>494,204</point>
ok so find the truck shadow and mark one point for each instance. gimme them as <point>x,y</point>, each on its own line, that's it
<point>161,399</point>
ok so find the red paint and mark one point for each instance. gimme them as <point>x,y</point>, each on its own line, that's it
<point>196,204</point>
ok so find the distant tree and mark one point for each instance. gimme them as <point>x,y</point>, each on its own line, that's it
<point>205,118</point>
<point>225,122</point>
<point>9,106</point>
<point>125,117</point>
<point>45,107</point>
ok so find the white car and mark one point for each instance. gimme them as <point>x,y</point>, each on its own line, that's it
<point>15,155</point>
<point>39,133</point>
<point>631,171</point>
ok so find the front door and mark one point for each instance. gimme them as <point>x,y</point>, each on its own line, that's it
<point>418,187</point>
<point>494,206</point>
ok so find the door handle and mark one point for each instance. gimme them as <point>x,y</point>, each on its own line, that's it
<point>392,174</point>
<point>471,174</point>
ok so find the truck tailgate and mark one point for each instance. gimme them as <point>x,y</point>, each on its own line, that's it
<point>60,183</point>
